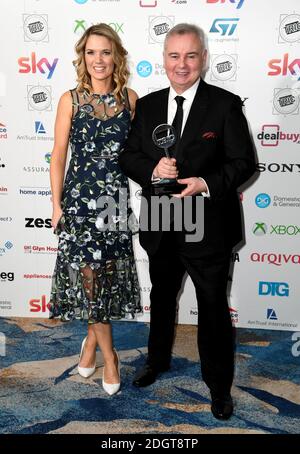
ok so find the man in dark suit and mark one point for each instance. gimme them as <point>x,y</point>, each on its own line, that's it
<point>214,156</point>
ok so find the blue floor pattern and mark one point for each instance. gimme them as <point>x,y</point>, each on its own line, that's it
<point>41,392</point>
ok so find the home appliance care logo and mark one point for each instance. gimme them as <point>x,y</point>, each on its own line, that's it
<point>35,27</point>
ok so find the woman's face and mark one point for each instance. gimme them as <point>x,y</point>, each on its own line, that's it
<point>98,58</point>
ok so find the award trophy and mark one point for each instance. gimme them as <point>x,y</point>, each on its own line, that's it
<point>164,137</point>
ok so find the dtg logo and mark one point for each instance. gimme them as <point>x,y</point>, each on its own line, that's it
<point>27,66</point>
<point>224,26</point>
<point>282,68</point>
<point>144,68</point>
<point>273,288</point>
<point>238,2</point>
<point>81,2</point>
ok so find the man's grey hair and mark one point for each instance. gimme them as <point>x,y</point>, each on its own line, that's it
<point>184,29</point>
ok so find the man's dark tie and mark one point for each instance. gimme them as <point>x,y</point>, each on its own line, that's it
<point>177,122</point>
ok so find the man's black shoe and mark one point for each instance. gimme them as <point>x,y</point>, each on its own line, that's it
<point>222,406</point>
<point>147,375</point>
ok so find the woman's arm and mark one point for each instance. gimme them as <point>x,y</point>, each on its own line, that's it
<point>59,153</point>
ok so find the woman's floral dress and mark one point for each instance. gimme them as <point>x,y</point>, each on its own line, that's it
<point>95,276</point>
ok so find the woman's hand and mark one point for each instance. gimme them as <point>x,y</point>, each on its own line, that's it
<point>56,215</point>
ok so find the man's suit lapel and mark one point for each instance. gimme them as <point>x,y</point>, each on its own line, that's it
<point>195,118</point>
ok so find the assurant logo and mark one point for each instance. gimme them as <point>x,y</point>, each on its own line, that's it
<point>35,27</point>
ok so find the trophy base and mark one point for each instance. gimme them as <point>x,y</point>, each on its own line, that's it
<point>167,187</point>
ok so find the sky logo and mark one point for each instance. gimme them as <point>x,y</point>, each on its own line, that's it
<point>273,288</point>
<point>39,127</point>
<point>239,3</point>
<point>283,68</point>
<point>30,64</point>
<point>144,68</point>
<point>262,200</point>
<point>224,26</point>
<point>271,314</point>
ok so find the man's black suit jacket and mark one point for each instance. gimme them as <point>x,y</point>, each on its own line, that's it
<point>215,145</point>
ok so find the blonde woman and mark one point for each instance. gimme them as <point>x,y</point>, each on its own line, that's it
<point>95,277</point>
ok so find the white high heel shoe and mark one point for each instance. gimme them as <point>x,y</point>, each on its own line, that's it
<point>112,388</point>
<point>85,371</point>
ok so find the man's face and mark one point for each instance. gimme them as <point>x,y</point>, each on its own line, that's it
<point>184,59</point>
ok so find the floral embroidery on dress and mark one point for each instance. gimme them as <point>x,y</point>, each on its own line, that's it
<point>95,276</point>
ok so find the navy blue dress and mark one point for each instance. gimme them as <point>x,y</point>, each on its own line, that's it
<point>95,275</point>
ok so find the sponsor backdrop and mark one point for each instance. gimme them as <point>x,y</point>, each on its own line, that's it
<point>254,52</point>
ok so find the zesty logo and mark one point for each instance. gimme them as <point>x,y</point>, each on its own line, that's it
<point>238,3</point>
<point>30,64</point>
<point>270,136</point>
<point>224,26</point>
<point>275,259</point>
<point>39,223</point>
<point>282,66</point>
<point>273,288</point>
<point>39,305</point>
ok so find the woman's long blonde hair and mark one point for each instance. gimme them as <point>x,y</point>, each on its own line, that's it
<point>121,71</point>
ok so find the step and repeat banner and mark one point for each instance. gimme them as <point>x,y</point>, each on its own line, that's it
<point>254,52</point>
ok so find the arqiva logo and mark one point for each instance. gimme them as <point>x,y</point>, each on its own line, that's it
<point>30,64</point>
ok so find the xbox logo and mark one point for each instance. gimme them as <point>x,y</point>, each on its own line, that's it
<point>259,228</point>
